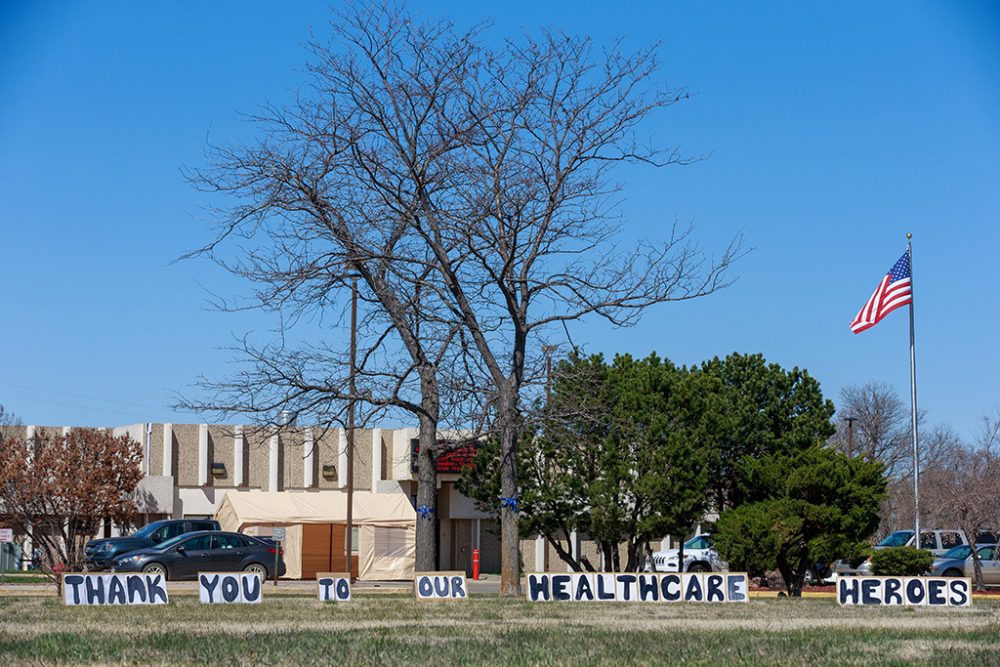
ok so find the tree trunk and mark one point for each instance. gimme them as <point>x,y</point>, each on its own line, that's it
<point>632,564</point>
<point>977,564</point>
<point>786,573</point>
<point>793,578</point>
<point>977,569</point>
<point>804,565</point>
<point>427,516</point>
<point>510,553</point>
<point>606,564</point>
<point>564,555</point>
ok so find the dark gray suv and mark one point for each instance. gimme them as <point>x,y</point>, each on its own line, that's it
<point>99,554</point>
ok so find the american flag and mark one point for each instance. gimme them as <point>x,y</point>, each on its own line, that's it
<point>894,291</point>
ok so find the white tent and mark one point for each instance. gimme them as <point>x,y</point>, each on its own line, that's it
<point>386,525</point>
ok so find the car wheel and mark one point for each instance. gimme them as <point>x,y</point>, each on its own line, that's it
<point>952,573</point>
<point>155,568</point>
<point>258,569</point>
<point>697,567</point>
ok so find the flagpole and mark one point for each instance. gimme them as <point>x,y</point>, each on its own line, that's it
<point>913,406</point>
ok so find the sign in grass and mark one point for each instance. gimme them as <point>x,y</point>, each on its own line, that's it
<point>638,587</point>
<point>440,586</point>
<point>229,587</point>
<point>334,586</point>
<point>84,590</point>
<point>909,591</point>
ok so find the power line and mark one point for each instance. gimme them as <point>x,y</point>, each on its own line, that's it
<point>84,396</point>
<point>144,416</point>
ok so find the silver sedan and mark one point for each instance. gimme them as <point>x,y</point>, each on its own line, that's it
<point>958,563</point>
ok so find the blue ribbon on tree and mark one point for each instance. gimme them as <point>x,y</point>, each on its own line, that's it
<point>509,503</point>
<point>424,511</point>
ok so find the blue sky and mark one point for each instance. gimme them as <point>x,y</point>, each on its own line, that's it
<point>833,129</point>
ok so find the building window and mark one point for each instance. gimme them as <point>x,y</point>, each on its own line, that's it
<point>390,542</point>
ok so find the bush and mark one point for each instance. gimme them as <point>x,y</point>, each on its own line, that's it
<point>901,562</point>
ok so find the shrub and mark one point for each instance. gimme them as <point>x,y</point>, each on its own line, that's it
<point>901,562</point>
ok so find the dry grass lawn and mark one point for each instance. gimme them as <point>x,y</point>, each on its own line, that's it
<point>397,630</point>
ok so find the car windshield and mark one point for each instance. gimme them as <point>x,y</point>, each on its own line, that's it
<point>960,552</point>
<point>146,531</point>
<point>698,542</point>
<point>897,539</point>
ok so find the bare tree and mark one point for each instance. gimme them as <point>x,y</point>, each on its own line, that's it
<point>8,418</point>
<point>537,220</point>
<point>963,493</point>
<point>988,437</point>
<point>874,423</point>
<point>939,446</point>
<point>960,483</point>
<point>327,197</point>
<point>59,488</point>
<point>478,177</point>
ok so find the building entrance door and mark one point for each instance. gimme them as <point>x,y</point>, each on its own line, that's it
<point>323,549</point>
<point>461,545</point>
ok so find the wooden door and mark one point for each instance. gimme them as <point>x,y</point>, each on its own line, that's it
<point>323,549</point>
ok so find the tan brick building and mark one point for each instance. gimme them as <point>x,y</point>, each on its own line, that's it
<point>188,469</point>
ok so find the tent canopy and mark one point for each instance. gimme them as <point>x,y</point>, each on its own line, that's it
<point>245,508</point>
<point>373,513</point>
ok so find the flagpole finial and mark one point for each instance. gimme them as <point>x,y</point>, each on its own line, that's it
<point>909,236</point>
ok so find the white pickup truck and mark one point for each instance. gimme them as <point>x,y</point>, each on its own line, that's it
<point>936,541</point>
<point>699,556</point>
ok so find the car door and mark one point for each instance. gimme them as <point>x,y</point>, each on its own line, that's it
<point>229,553</point>
<point>192,556</point>
<point>991,567</point>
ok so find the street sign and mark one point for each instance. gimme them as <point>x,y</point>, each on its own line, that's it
<point>6,534</point>
<point>278,535</point>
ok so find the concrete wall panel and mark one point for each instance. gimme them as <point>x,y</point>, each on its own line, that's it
<point>362,459</point>
<point>293,451</point>
<point>186,453</point>
<point>220,450</point>
<point>255,466</point>
<point>327,454</point>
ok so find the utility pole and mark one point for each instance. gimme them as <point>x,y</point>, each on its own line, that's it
<point>349,530</point>
<point>850,435</point>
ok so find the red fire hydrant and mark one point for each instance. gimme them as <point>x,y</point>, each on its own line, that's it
<point>475,564</point>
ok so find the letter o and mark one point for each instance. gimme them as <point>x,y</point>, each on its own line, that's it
<point>230,588</point>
